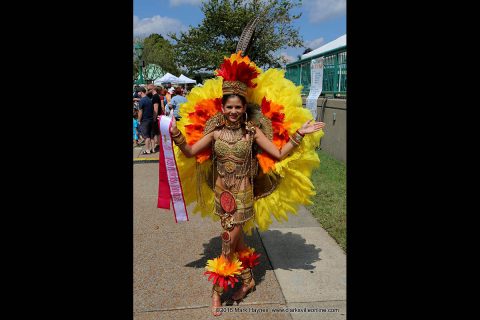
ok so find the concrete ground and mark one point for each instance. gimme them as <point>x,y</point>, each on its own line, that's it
<point>139,157</point>
<point>301,266</point>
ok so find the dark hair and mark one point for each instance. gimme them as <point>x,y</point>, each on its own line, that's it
<point>178,90</point>
<point>228,96</point>
<point>142,89</point>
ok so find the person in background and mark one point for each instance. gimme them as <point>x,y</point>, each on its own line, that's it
<point>161,91</point>
<point>136,97</point>
<point>176,101</point>
<point>169,94</point>
<point>150,87</point>
<point>163,95</point>
<point>135,126</point>
<point>145,117</point>
<point>169,108</point>
<point>157,110</point>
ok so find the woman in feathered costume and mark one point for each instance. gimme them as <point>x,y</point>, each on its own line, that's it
<point>251,145</point>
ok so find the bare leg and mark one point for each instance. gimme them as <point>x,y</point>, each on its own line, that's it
<point>241,243</point>
<point>216,303</point>
<point>240,293</point>
<point>147,144</point>
<point>235,236</point>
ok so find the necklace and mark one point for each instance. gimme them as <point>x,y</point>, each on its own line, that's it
<point>232,125</point>
<point>231,135</point>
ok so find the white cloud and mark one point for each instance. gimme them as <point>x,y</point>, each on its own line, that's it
<point>314,44</point>
<point>287,57</point>
<point>175,3</point>
<point>156,24</point>
<point>320,10</point>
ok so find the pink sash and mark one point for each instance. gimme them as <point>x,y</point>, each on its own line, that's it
<point>169,185</point>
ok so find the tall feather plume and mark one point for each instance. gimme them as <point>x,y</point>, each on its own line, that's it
<point>238,68</point>
<point>246,36</point>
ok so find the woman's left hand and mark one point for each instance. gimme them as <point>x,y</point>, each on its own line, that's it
<point>310,127</point>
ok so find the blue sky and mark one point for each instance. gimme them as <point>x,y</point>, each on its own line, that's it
<point>322,20</point>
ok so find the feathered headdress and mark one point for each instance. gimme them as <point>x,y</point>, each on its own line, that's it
<point>275,106</point>
<point>237,73</point>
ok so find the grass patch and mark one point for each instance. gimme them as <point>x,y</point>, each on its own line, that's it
<point>330,202</point>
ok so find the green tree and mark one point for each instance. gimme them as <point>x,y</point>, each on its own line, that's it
<point>135,69</point>
<point>159,51</point>
<point>204,47</point>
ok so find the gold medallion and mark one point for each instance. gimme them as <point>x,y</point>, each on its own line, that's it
<point>230,167</point>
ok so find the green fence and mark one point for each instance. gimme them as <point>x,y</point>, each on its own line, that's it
<point>334,72</point>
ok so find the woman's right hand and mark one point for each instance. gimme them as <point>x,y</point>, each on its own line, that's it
<point>173,128</point>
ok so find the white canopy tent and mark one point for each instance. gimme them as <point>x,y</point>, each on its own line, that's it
<point>174,80</point>
<point>184,79</point>
<point>168,77</point>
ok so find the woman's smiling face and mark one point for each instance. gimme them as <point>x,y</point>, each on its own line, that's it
<point>233,108</point>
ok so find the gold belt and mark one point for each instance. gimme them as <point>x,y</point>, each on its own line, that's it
<point>229,167</point>
<point>244,207</point>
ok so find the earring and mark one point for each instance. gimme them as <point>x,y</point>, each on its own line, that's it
<point>246,116</point>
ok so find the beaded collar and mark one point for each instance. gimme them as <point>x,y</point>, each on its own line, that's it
<point>232,125</point>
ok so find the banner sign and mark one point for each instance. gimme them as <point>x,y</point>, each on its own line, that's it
<point>316,71</point>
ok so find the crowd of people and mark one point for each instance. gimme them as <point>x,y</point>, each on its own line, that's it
<point>150,102</point>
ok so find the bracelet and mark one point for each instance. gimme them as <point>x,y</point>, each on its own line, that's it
<point>298,137</point>
<point>303,135</point>
<point>179,144</point>
<point>179,139</point>
<point>177,135</point>
<point>294,142</point>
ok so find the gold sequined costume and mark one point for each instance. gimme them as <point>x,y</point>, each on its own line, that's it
<point>261,187</point>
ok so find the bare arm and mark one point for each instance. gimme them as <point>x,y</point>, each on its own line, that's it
<point>155,110</point>
<point>140,113</point>
<point>271,149</point>
<point>200,145</point>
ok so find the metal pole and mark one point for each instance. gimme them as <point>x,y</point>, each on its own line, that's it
<point>140,80</point>
<point>301,76</point>
<point>340,79</point>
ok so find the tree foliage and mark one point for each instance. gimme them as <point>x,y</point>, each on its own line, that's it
<point>159,51</point>
<point>307,50</point>
<point>135,69</point>
<point>204,47</point>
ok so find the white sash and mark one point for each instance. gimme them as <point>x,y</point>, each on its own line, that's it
<point>174,182</point>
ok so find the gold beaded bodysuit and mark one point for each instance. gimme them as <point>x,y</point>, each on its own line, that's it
<point>234,164</point>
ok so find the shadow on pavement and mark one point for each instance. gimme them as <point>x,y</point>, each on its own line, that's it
<point>295,253</point>
<point>213,248</point>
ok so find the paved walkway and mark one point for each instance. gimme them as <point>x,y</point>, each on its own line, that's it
<point>301,266</point>
<point>139,157</point>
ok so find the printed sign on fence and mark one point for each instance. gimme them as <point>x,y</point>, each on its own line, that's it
<point>316,71</point>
